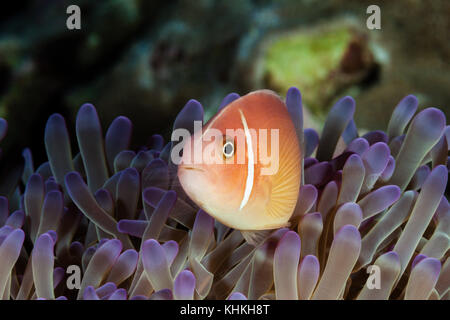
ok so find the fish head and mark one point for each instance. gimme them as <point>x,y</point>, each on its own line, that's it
<point>214,165</point>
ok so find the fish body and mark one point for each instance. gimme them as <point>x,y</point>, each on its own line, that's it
<point>238,182</point>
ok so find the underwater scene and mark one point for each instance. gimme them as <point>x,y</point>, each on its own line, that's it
<point>224,150</point>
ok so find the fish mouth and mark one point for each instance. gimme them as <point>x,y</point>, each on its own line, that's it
<point>184,167</point>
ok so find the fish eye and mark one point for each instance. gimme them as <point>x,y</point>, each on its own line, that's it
<point>228,149</point>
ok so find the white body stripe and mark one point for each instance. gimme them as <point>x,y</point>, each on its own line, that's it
<point>251,163</point>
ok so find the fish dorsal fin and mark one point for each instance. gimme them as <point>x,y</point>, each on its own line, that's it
<point>266,92</point>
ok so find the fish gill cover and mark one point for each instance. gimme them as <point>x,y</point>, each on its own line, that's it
<point>368,205</point>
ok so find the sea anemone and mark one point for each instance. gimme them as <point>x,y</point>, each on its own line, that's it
<point>370,202</point>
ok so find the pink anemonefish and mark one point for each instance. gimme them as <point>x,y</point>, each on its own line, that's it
<point>238,193</point>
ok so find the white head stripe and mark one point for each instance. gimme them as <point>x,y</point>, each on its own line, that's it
<point>251,163</point>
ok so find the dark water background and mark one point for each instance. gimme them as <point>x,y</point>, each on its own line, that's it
<point>145,59</point>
